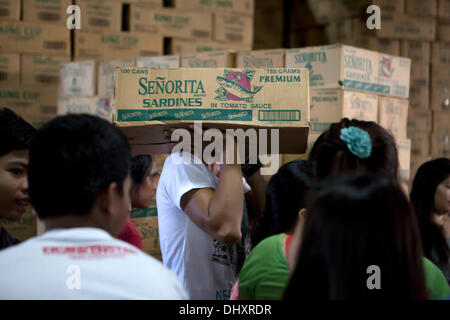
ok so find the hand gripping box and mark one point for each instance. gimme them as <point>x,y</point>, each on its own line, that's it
<point>148,100</point>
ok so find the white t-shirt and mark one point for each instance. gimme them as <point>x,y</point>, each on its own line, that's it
<point>83,263</point>
<point>205,266</point>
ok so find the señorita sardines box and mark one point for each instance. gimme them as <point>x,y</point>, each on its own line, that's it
<point>220,98</point>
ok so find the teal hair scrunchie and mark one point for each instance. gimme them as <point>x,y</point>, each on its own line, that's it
<point>358,141</point>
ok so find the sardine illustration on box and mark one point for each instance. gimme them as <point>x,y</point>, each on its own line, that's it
<point>236,86</point>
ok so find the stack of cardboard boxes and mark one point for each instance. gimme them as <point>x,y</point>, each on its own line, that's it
<point>415,29</point>
<point>33,43</point>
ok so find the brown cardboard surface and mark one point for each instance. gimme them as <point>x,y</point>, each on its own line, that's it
<point>444,9</point>
<point>416,162</point>
<point>101,107</point>
<point>34,38</point>
<point>242,7</point>
<point>403,27</point>
<point>52,11</point>
<point>170,22</point>
<point>233,29</point>
<point>116,45</point>
<point>215,59</point>
<point>36,104</point>
<point>260,59</point>
<point>441,122</point>
<point>331,105</point>
<point>101,15</point>
<point>23,229</point>
<point>190,46</point>
<point>144,108</point>
<point>41,69</point>
<point>404,157</point>
<point>419,121</point>
<point>10,9</point>
<point>443,31</point>
<point>426,8</point>
<point>166,62</point>
<point>440,145</point>
<point>419,51</point>
<point>420,143</point>
<point>78,78</point>
<point>106,75</point>
<point>393,115</point>
<point>440,53</point>
<point>9,68</point>
<point>440,87</point>
<point>419,90</point>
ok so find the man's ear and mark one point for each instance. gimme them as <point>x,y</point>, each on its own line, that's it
<point>302,214</point>
<point>107,200</point>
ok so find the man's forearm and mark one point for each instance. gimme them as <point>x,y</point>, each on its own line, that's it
<point>227,204</point>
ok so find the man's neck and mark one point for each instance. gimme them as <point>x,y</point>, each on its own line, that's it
<point>70,221</point>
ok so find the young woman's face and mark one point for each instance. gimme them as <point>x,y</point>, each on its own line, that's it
<point>442,198</point>
<point>14,199</point>
<point>143,194</point>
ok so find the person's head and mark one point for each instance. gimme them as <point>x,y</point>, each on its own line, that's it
<point>285,197</point>
<point>354,222</point>
<point>79,171</point>
<point>15,136</point>
<point>144,178</point>
<point>339,150</point>
<point>430,197</point>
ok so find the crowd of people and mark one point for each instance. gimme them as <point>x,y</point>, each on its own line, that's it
<point>336,226</point>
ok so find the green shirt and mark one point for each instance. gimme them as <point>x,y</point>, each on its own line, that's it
<point>265,273</point>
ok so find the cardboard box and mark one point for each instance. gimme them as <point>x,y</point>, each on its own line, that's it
<point>444,9</point>
<point>159,62</point>
<point>41,69</point>
<point>346,67</point>
<point>404,158</point>
<point>170,22</point>
<point>440,145</point>
<point>440,53</point>
<point>389,6</point>
<point>10,9</point>
<point>146,222</point>
<point>419,51</point>
<point>441,122</point>
<point>36,104</point>
<point>23,229</point>
<point>116,45</point>
<point>426,8</point>
<point>240,7</point>
<point>419,121</point>
<point>420,143</point>
<point>32,38</point>
<point>331,105</point>
<point>393,115</point>
<point>233,28</point>
<point>221,98</point>
<point>78,79</point>
<point>443,31</point>
<point>9,68</point>
<point>387,46</point>
<point>52,11</point>
<point>419,91</point>
<point>101,107</point>
<point>269,35</point>
<point>260,59</point>
<point>216,59</point>
<point>440,88</point>
<point>101,15</point>
<point>188,46</point>
<point>404,27</point>
<point>106,76</point>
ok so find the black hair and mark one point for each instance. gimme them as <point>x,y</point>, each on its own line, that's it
<point>427,179</point>
<point>140,168</point>
<point>353,222</point>
<point>285,196</point>
<point>15,133</point>
<point>72,159</point>
<point>332,156</point>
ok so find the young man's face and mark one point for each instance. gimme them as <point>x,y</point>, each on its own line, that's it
<point>14,199</point>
